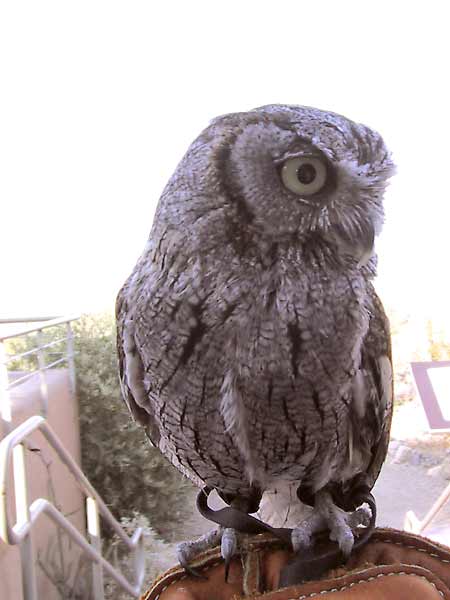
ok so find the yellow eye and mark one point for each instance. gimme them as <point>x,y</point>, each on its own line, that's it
<point>304,175</point>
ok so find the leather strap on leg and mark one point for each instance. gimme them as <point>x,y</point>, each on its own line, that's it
<point>308,564</point>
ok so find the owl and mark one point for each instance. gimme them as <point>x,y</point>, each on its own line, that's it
<point>253,348</point>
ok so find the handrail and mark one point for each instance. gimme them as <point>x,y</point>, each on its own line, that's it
<point>415,525</point>
<point>12,457</point>
<point>43,324</point>
<point>28,319</point>
<point>13,357</point>
<point>5,360</point>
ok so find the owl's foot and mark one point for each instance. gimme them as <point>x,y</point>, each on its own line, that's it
<point>327,515</point>
<point>228,547</point>
<point>225,536</point>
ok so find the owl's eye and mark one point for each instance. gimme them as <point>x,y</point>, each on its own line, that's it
<point>304,175</point>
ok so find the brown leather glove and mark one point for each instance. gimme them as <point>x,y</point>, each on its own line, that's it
<point>393,565</point>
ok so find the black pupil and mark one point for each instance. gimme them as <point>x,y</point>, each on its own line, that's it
<point>306,173</point>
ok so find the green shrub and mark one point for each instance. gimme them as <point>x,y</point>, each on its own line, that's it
<point>130,475</point>
<point>31,341</point>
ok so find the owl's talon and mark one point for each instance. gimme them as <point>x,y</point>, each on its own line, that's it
<point>225,537</point>
<point>228,546</point>
<point>227,568</point>
<point>343,524</point>
<point>301,536</point>
<point>327,515</point>
<point>193,572</point>
<point>186,551</point>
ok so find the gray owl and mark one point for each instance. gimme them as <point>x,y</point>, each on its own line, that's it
<point>253,348</point>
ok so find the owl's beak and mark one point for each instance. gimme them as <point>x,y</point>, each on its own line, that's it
<point>366,247</point>
<point>361,248</point>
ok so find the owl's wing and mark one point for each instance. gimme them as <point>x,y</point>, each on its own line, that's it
<point>131,370</point>
<point>375,428</point>
<point>372,397</point>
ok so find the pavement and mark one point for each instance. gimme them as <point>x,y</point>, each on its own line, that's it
<point>404,487</point>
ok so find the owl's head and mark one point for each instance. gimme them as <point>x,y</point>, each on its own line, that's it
<point>285,172</point>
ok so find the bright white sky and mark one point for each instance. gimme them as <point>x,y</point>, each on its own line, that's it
<point>99,101</point>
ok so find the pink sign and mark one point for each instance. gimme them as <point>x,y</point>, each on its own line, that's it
<point>433,385</point>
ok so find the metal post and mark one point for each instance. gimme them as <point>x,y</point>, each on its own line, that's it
<point>42,376</point>
<point>93,527</point>
<point>19,533</point>
<point>413,524</point>
<point>71,356</point>
<point>5,400</point>
<point>29,587</point>
<point>138,561</point>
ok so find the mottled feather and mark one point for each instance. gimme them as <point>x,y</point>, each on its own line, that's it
<point>252,345</point>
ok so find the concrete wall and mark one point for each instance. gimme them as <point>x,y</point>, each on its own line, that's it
<point>50,479</point>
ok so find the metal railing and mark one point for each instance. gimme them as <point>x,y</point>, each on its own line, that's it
<point>28,326</point>
<point>13,464</point>
<point>415,525</point>
<point>12,461</point>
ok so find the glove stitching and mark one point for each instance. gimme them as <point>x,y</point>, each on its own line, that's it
<point>183,576</point>
<point>424,550</point>
<point>373,578</point>
<point>386,541</point>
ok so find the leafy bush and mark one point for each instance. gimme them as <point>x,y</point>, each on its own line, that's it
<point>130,475</point>
<point>29,342</point>
<point>159,556</point>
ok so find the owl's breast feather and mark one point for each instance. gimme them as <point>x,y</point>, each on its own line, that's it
<point>293,323</point>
